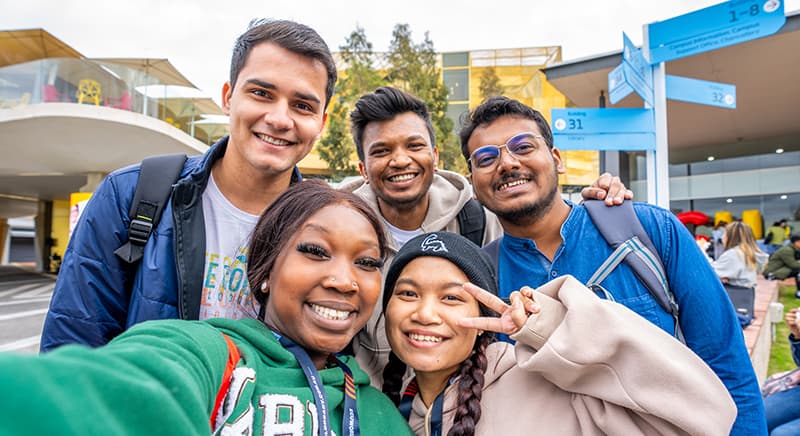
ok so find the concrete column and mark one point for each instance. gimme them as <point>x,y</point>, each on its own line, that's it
<point>43,241</point>
<point>92,181</point>
<point>5,241</point>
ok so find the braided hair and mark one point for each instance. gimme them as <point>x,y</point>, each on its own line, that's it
<point>470,388</point>
<point>393,378</point>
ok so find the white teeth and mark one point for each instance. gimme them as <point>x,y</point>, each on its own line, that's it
<point>424,338</point>
<point>512,184</point>
<point>271,140</point>
<point>402,177</point>
<point>327,312</point>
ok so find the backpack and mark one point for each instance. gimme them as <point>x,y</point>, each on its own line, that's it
<point>156,177</point>
<point>472,221</point>
<point>623,231</point>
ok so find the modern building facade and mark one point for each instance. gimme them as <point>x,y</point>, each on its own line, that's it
<point>66,121</point>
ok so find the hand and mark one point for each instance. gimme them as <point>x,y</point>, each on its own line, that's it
<point>607,187</point>
<point>512,317</point>
<point>792,319</point>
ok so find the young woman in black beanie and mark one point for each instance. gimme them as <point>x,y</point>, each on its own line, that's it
<point>580,366</point>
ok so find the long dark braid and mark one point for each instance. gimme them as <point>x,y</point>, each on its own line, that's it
<point>470,389</point>
<point>393,378</point>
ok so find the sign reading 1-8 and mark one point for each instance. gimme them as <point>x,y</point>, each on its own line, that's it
<point>714,27</point>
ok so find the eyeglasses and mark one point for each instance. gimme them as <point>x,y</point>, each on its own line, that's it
<point>485,158</point>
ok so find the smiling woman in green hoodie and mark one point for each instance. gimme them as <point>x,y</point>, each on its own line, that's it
<point>315,257</point>
<point>581,365</point>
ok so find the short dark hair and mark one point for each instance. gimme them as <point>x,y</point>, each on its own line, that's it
<point>794,238</point>
<point>295,37</point>
<point>282,219</point>
<point>493,108</point>
<point>384,104</point>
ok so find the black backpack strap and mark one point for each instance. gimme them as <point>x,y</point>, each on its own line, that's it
<point>472,221</point>
<point>156,177</point>
<point>623,231</point>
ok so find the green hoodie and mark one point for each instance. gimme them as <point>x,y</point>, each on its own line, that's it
<point>162,377</point>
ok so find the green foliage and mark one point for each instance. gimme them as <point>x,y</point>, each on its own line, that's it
<point>490,84</point>
<point>413,67</point>
<point>336,147</point>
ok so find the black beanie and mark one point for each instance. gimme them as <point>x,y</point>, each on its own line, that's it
<point>475,264</point>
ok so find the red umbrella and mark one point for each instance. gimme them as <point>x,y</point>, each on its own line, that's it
<point>693,217</point>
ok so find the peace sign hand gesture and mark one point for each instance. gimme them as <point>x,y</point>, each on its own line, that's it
<point>512,317</point>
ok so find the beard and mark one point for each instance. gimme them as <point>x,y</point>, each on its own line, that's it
<point>534,211</point>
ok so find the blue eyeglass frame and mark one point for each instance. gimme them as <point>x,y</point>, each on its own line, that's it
<point>512,146</point>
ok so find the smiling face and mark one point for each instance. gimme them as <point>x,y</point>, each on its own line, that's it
<point>311,296</point>
<point>517,187</point>
<point>422,317</point>
<point>399,160</point>
<point>276,109</point>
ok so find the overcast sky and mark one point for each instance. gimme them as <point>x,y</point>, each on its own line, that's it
<point>197,36</point>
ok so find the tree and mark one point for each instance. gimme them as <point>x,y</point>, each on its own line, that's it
<point>413,67</point>
<point>490,84</point>
<point>358,77</point>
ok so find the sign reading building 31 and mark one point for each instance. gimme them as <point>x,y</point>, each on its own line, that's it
<point>603,129</point>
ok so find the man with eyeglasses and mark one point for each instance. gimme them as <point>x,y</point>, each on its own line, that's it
<point>514,170</point>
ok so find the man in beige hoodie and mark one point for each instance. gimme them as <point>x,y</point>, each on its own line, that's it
<point>398,162</point>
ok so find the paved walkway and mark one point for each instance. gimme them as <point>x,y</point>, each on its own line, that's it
<point>24,299</point>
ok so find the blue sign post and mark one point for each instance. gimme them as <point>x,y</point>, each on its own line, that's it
<point>603,129</point>
<point>638,73</point>
<point>714,27</point>
<point>643,71</point>
<point>701,92</point>
<point>618,88</point>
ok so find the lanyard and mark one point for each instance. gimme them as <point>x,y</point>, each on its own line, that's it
<point>438,406</point>
<point>350,425</point>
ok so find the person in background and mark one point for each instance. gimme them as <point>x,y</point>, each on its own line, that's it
<point>581,365</point>
<point>316,257</point>
<point>717,246</point>
<point>775,236</point>
<point>785,263</point>
<point>742,260</point>
<point>783,408</point>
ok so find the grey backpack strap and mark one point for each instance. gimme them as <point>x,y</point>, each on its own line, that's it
<point>493,250</point>
<point>623,231</point>
<point>472,221</point>
<point>156,177</point>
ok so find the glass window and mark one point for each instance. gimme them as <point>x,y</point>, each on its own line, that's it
<point>454,112</point>
<point>457,81</point>
<point>455,59</point>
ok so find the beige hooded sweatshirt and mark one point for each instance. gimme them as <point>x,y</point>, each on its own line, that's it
<point>586,366</point>
<point>449,192</point>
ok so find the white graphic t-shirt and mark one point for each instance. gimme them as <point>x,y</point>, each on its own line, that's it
<point>401,236</point>
<point>226,293</point>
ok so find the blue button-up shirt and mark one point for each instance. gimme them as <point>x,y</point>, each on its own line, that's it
<point>707,317</point>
